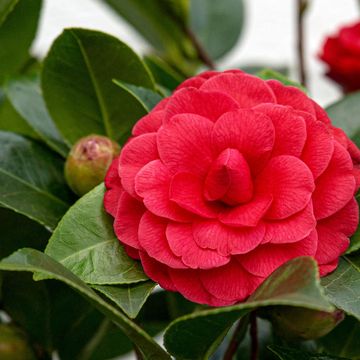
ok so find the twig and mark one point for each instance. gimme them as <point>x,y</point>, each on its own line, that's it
<point>301,9</point>
<point>254,337</point>
<point>238,336</point>
<point>138,353</point>
<point>201,52</point>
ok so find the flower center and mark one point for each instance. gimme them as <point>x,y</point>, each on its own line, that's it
<point>229,179</point>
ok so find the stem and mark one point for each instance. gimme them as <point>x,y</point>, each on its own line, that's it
<point>138,353</point>
<point>201,52</point>
<point>301,9</point>
<point>238,336</point>
<point>254,337</point>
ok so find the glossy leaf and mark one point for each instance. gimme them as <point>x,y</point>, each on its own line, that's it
<point>32,180</point>
<point>342,287</point>
<point>344,114</point>
<point>6,6</point>
<point>35,261</point>
<point>344,339</point>
<point>285,353</point>
<point>197,335</point>
<point>130,298</point>
<point>268,74</point>
<point>25,95</point>
<point>164,75</point>
<point>85,243</point>
<point>148,98</point>
<point>217,24</point>
<point>78,88</point>
<point>20,24</point>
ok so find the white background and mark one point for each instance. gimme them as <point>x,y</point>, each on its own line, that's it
<point>269,36</point>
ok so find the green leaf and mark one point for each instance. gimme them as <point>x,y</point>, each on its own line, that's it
<point>130,298</point>
<point>28,305</point>
<point>25,95</point>
<point>85,243</point>
<point>345,114</point>
<point>78,88</point>
<point>164,75</point>
<point>285,353</point>
<point>342,287</point>
<point>6,6</point>
<point>146,97</point>
<point>217,24</point>
<point>296,283</point>
<point>32,181</point>
<point>355,239</point>
<point>17,32</point>
<point>344,339</point>
<point>35,261</point>
<point>268,74</point>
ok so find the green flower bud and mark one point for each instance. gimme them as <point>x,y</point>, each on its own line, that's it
<point>302,324</point>
<point>88,162</point>
<point>13,344</point>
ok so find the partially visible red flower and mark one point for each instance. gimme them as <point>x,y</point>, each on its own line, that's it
<point>341,53</point>
<point>229,178</point>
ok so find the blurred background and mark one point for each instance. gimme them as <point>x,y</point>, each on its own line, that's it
<point>268,38</point>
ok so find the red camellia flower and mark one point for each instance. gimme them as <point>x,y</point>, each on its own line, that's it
<point>229,178</point>
<point>342,54</point>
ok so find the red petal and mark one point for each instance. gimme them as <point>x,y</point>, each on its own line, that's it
<point>246,89</point>
<point>152,238</point>
<point>290,129</point>
<point>319,145</point>
<point>152,183</point>
<point>149,123</point>
<point>230,282</point>
<point>266,258</point>
<point>186,190</point>
<point>114,188</point>
<point>157,272</point>
<point>127,220</point>
<point>325,269</point>
<point>210,105</point>
<point>185,144</point>
<point>250,132</point>
<point>181,241</point>
<point>335,187</point>
<point>289,181</point>
<point>291,229</point>
<point>248,214</point>
<point>292,96</point>
<point>227,240</point>
<point>134,155</point>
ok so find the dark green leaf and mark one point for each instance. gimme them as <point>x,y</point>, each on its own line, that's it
<point>344,339</point>
<point>130,298</point>
<point>85,243</point>
<point>355,239</point>
<point>268,74</point>
<point>78,88</point>
<point>32,180</point>
<point>18,231</point>
<point>293,354</point>
<point>17,32</point>
<point>345,114</point>
<point>197,335</point>
<point>25,95</point>
<point>6,6</point>
<point>164,75</point>
<point>28,305</point>
<point>342,287</point>
<point>10,119</point>
<point>35,261</point>
<point>146,97</point>
<point>217,24</point>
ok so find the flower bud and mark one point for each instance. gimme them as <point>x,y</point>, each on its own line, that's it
<point>13,344</point>
<point>88,162</point>
<point>303,324</point>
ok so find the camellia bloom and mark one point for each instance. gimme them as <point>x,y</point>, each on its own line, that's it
<point>342,55</point>
<point>229,178</point>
